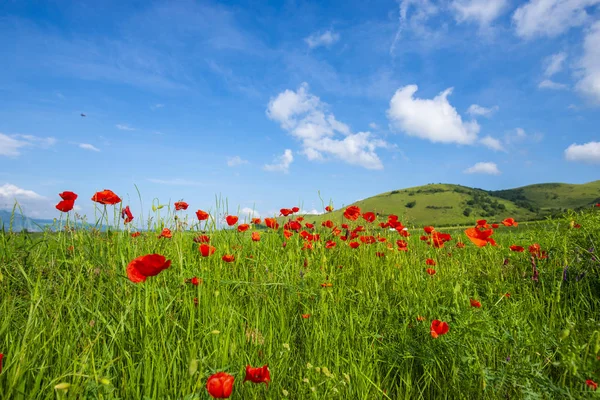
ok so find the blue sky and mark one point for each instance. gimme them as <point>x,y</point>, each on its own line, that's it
<point>266,105</point>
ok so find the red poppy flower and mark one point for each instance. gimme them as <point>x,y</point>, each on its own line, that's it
<point>220,385</point>
<point>106,197</point>
<point>402,243</point>
<point>308,225</point>
<point>380,254</point>
<point>127,215</point>
<point>259,374</point>
<point>256,221</point>
<point>368,239</point>
<point>287,234</point>
<point>460,245</point>
<point>383,225</point>
<point>438,328</point>
<point>475,303</point>
<point>430,261</point>
<point>196,281</point>
<point>228,258</point>
<point>285,212</point>
<point>181,205</point>
<point>68,201</point>
<point>243,227</point>
<point>306,316</point>
<point>430,271</point>
<point>295,209</point>
<point>536,251</point>
<point>65,205</point>
<point>329,208</point>
<point>149,265</point>
<point>514,247</point>
<point>495,226</point>
<point>438,239</point>
<point>202,215</point>
<point>591,384</point>
<point>330,244</point>
<point>231,220</point>
<point>510,222</point>
<point>482,222</point>
<point>271,223</point>
<point>369,216</point>
<point>404,233</point>
<point>352,213</point>
<point>201,239</point>
<point>428,229</point>
<point>68,196</point>
<point>480,237</point>
<point>206,250</point>
<point>299,219</point>
<point>292,226</point>
<point>1,357</point>
<point>255,236</point>
<point>166,233</point>
<point>354,245</point>
<point>135,234</point>
<point>307,246</point>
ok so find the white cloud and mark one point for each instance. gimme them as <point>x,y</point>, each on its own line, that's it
<point>589,84</point>
<point>373,125</point>
<point>175,182</point>
<point>586,153</point>
<point>477,110</point>
<point>550,17</point>
<point>87,146</point>
<point>249,212</point>
<point>125,127</point>
<point>423,10</point>
<point>10,144</point>
<point>281,163</point>
<point>550,84</point>
<point>432,119</point>
<point>235,161</point>
<point>492,143</point>
<point>326,39</point>
<point>156,106</point>
<point>554,63</point>
<point>305,117</point>
<point>489,168</point>
<point>10,191</point>
<point>314,211</point>
<point>29,202</point>
<point>481,11</point>
<point>519,135</point>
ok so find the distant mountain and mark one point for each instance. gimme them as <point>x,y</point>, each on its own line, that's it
<point>447,204</point>
<point>21,222</point>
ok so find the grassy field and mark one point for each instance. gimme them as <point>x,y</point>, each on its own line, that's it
<point>329,322</point>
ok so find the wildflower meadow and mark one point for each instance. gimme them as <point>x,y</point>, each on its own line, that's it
<point>354,307</point>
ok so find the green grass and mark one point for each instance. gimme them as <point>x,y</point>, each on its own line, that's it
<point>73,317</point>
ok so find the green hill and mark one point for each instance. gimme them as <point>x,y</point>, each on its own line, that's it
<point>550,197</point>
<point>447,204</point>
